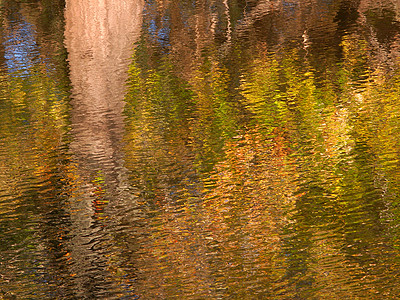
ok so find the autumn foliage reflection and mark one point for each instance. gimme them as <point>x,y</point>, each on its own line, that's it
<point>258,173</point>
<point>253,152</point>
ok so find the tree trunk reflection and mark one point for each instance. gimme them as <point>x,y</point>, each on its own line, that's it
<point>99,37</point>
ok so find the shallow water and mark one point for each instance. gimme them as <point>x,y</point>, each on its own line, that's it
<point>199,150</point>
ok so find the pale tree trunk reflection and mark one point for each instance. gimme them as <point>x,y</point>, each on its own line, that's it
<point>99,36</point>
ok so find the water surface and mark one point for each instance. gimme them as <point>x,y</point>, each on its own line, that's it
<point>199,149</point>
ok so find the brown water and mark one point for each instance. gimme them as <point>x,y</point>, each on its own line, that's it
<point>200,149</point>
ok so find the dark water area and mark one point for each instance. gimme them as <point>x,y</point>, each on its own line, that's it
<point>218,149</point>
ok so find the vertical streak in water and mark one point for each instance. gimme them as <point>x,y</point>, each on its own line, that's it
<point>229,25</point>
<point>99,36</point>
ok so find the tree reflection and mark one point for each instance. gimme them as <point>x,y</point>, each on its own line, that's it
<point>33,122</point>
<point>276,166</point>
<point>99,37</point>
<point>256,155</point>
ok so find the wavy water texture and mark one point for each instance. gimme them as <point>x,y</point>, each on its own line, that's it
<point>207,149</point>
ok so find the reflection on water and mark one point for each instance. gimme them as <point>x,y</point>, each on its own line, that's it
<point>202,150</point>
<point>99,38</point>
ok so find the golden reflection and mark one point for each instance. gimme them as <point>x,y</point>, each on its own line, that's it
<point>33,121</point>
<point>268,206</point>
<point>263,170</point>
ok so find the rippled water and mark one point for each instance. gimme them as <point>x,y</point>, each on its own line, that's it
<point>199,149</point>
